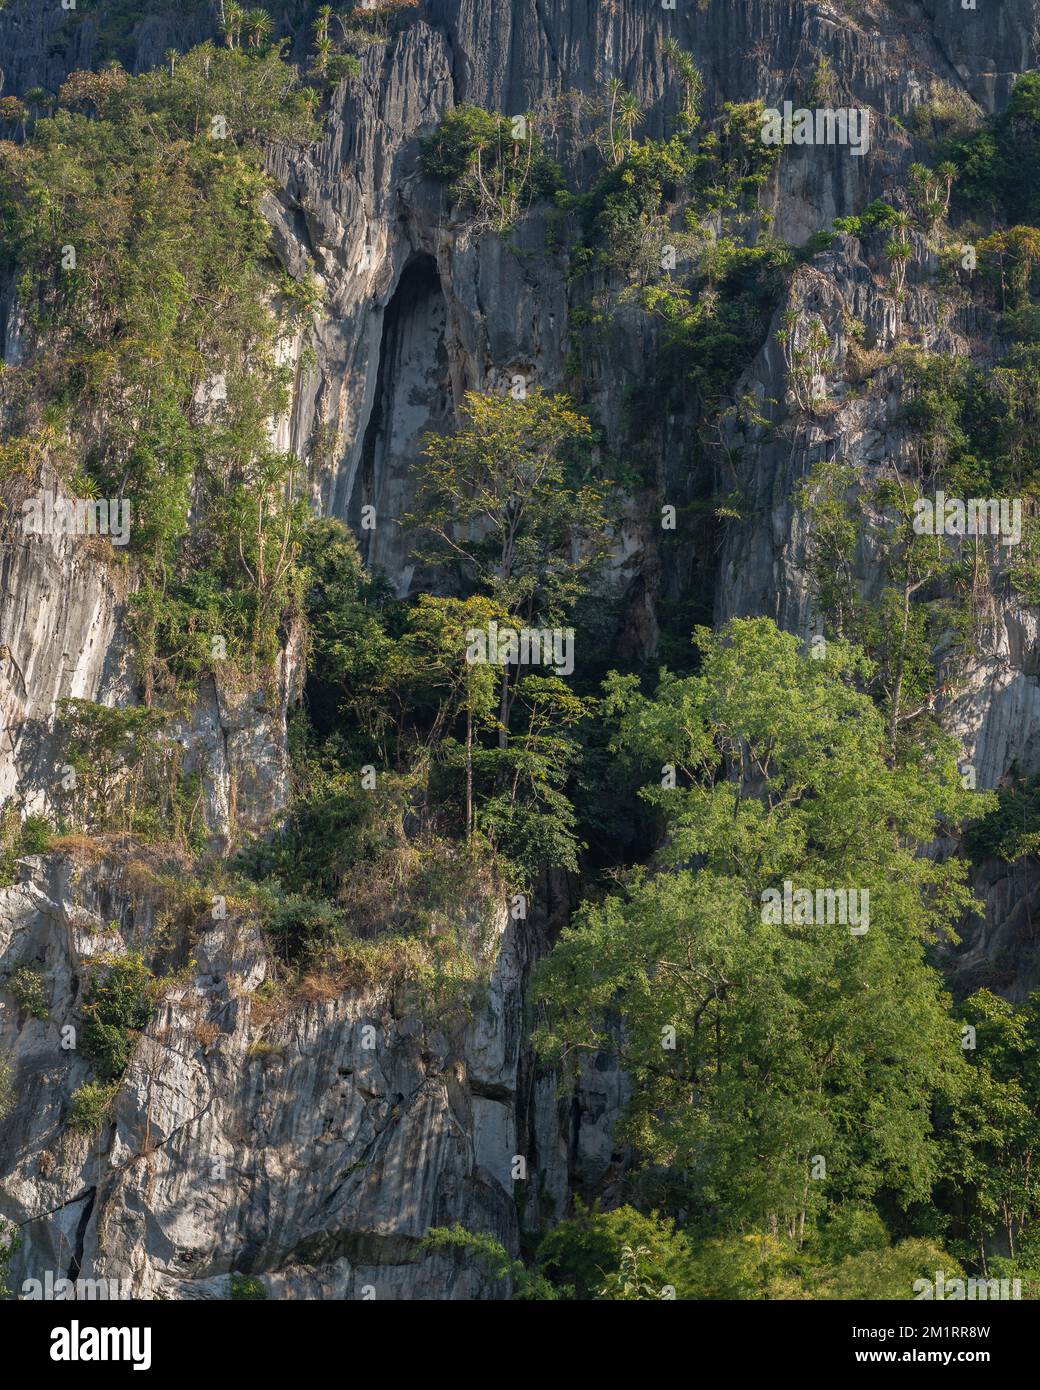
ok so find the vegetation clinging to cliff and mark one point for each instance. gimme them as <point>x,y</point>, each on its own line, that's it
<point>133,218</point>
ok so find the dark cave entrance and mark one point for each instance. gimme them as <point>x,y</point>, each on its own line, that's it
<point>413,396</point>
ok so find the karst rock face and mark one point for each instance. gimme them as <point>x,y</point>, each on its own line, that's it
<point>289,1145</point>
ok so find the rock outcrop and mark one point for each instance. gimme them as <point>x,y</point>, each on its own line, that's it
<point>309,1142</point>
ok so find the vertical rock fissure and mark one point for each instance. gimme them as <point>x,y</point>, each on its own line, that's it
<point>412,396</point>
<point>76,1263</point>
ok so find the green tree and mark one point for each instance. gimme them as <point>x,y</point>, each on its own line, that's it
<point>526,1283</point>
<point>509,499</point>
<point>529,817</point>
<point>91,1104</point>
<point>105,746</point>
<point>116,1008</point>
<point>991,1127</point>
<point>511,474</point>
<point>494,167</point>
<point>692,83</point>
<point>895,631</point>
<point>322,20</point>
<point>999,165</point>
<point>434,652</point>
<point>258,26</point>
<point>349,647</point>
<point>793,1041</point>
<point>585,1253</point>
<point>1008,259</point>
<point>234,21</point>
<point>29,987</point>
<point>899,251</point>
<point>758,1265</point>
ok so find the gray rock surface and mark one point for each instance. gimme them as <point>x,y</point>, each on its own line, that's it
<point>310,1144</point>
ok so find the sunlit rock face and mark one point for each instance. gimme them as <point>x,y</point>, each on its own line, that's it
<point>310,1144</point>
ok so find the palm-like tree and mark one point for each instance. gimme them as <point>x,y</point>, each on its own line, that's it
<point>322,21</point>
<point>233,22</point>
<point>13,112</point>
<point>616,92</point>
<point>37,99</point>
<point>322,54</point>
<point>691,79</point>
<point>630,113</point>
<point>899,251</point>
<point>258,26</point>
<point>947,172</point>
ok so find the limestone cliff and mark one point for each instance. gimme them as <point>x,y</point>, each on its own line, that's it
<point>284,1142</point>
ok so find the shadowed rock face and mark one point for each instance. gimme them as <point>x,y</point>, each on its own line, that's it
<point>40,44</point>
<point>283,1145</point>
<point>413,397</point>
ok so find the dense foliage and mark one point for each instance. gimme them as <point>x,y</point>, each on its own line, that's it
<point>116,1006</point>
<point>494,167</point>
<point>788,1040</point>
<point>133,216</point>
<point>999,165</point>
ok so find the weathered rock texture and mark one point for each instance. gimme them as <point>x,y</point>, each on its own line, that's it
<point>310,1142</point>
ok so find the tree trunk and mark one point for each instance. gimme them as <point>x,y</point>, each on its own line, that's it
<point>503,710</point>
<point>897,694</point>
<point>469,773</point>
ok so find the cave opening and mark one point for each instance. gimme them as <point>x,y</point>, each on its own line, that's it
<point>412,397</point>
